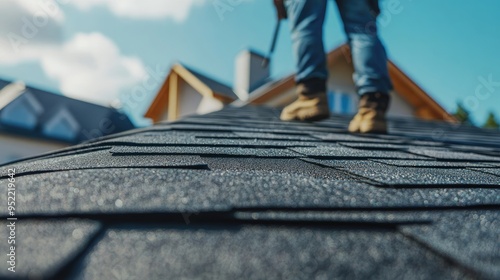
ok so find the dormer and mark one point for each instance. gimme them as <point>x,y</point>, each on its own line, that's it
<point>62,125</point>
<point>23,112</point>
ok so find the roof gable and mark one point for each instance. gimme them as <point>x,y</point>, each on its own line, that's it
<point>24,111</point>
<point>10,91</point>
<point>62,125</point>
<point>203,84</point>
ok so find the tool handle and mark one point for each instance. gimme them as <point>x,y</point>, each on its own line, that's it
<point>273,44</point>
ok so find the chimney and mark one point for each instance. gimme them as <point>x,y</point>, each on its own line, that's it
<point>249,73</point>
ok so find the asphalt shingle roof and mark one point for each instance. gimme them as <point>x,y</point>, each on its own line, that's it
<point>239,194</point>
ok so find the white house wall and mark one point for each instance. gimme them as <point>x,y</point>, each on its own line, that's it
<point>399,107</point>
<point>340,80</point>
<point>208,105</point>
<point>192,102</point>
<point>189,99</point>
<point>16,147</point>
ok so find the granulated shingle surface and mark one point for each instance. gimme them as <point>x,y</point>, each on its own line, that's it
<point>239,194</point>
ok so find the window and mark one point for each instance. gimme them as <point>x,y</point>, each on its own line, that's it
<point>62,125</point>
<point>22,112</point>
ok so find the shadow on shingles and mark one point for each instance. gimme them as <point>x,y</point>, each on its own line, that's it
<point>59,153</point>
<point>350,219</point>
<point>102,159</point>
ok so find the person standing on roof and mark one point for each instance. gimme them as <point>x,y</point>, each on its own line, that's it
<point>371,76</point>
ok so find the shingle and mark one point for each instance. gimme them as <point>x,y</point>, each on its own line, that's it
<point>274,136</point>
<point>346,152</point>
<point>425,143</point>
<point>343,137</point>
<point>475,149</point>
<point>104,159</point>
<point>221,128</point>
<point>262,206</point>
<point>374,146</point>
<point>494,171</point>
<point>261,252</point>
<point>74,150</point>
<point>292,166</point>
<point>43,247</point>
<point>203,150</point>
<point>470,237</point>
<point>183,138</point>
<point>414,177</point>
<point>431,163</point>
<point>447,154</point>
<point>110,191</point>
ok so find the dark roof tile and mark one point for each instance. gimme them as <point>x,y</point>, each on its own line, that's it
<point>204,150</point>
<point>261,252</point>
<point>469,237</point>
<point>447,154</point>
<point>341,152</point>
<point>46,247</point>
<point>416,177</point>
<point>239,194</point>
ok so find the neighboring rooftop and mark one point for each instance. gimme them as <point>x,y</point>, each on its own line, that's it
<point>239,194</point>
<point>186,91</point>
<point>215,85</point>
<point>35,113</point>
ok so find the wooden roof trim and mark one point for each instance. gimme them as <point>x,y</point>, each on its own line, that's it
<point>277,89</point>
<point>223,98</point>
<point>193,81</point>
<point>199,85</point>
<point>426,106</point>
<point>341,51</point>
<point>160,103</point>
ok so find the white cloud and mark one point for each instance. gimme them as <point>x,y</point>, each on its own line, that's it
<point>178,10</point>
<point>90,67</point>
<point>28,28</point>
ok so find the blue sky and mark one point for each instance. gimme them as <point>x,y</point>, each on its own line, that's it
<point>101,50</point>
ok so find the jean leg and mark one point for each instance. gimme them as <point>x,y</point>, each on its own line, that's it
<point>368,53</point>
<point>306,19</point>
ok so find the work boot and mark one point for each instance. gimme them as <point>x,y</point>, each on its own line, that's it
<point>371,114</point>
<point>311,104</point>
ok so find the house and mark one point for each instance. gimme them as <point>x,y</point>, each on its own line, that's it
<point>34,121</point>
<point>186,91</point>
<point>238,194</point>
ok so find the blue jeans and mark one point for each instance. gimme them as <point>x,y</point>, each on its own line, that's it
<point>306,19</point>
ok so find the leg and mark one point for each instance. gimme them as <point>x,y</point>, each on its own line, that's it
<point>371,75</point>
<point>306,19</point>
<point>368,53</point>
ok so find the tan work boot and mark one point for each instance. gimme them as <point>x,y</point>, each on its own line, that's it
<point>309,106</point>
<point>371,114</point>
